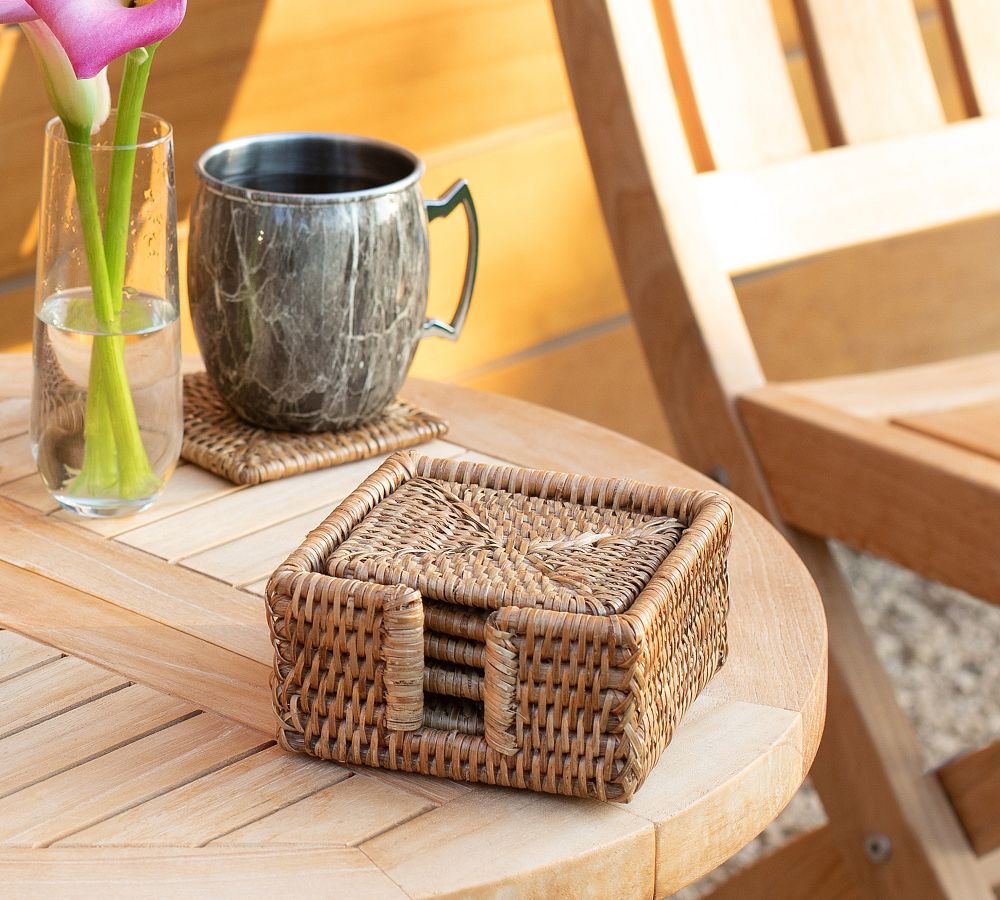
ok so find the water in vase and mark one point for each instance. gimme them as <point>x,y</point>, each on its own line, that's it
<point>67,335</point>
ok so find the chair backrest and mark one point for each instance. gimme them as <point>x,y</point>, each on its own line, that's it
<point>897,167</point>
<point>706,170</point>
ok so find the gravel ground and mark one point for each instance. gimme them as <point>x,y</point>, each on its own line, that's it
<point>940,647</point>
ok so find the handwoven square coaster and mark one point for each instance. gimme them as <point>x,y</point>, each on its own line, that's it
<point>217,440</point>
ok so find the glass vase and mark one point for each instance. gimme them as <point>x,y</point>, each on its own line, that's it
<point>107,413</point>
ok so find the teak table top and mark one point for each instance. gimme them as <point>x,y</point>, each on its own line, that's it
<point>136,747</point>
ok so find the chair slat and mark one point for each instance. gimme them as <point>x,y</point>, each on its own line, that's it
<point>852,195</point>
<point>739,79</point>
<point>871,68</point>
<point>974,31</point>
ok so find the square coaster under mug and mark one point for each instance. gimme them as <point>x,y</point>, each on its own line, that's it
<point>216,440</point>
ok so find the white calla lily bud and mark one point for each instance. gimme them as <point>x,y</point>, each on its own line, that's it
<point>82,103</point>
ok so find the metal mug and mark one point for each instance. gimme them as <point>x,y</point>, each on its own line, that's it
<point>308,274</point>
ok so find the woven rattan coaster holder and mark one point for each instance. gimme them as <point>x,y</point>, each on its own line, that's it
<point>216,440</point>
<point>501,625</point>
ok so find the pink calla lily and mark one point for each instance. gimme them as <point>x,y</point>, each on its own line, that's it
<point>94,33</point>
<point>74,42</point>
<point>13,12</point>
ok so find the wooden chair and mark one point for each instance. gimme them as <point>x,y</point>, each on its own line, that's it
<point>664,93</point>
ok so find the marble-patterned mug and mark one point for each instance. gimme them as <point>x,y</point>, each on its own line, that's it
<point>308,273</point>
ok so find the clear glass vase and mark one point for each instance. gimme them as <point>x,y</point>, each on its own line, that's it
<point>106,413</point>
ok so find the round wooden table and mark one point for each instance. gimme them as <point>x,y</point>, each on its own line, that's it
<point>135,740</point>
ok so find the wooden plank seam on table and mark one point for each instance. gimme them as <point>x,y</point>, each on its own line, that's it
<point>216,804</point>
<point>30,491</point>
<point>350,810</point>
<point>189,486</point>
<point>193,872</point>
<point>253,557</point>
<point>59,686</point>
<point>145,650</point>
<point>14,417</point>
<point>71,737</point>
<point>133,580</point>
<point>83,796</point>
<point>15,459</point>
<point>237,799</point>
<point>19,655</point>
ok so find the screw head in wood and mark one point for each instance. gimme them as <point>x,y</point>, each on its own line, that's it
<point>878,848</point>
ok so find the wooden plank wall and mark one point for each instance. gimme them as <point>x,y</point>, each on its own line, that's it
<point>478,90</point>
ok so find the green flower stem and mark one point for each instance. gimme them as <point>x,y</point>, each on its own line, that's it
<point>116,228</point>
<point>115,429</point>
<point>99,474</point>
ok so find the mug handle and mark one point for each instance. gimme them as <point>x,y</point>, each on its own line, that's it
<point>457,194</point>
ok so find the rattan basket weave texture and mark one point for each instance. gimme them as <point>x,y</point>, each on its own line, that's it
<point>501,625</point>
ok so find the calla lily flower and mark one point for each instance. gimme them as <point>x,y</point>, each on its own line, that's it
<point>94,33</point>
<point>82,103</point>
<point>14,11</point>
<point>74,42</point>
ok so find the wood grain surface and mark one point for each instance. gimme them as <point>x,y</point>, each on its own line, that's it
<point>975,428</point>
<point>871,68</point>
<point>848,477</point>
